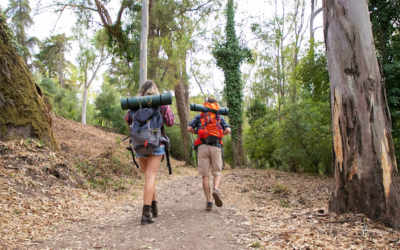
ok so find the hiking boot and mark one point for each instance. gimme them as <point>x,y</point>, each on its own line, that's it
<point>218,201</point>
<point>146,216</point>
<point>154,209</point>
<point>209,206</point>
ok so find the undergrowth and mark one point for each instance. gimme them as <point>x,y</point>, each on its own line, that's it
<point>107,173</point>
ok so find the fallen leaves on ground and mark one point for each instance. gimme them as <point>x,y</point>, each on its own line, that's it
<point>290,211</point>
<point>44,192</point>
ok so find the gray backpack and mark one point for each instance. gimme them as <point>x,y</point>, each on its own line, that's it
<point>145,133</point>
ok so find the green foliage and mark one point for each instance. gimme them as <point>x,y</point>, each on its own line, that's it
<point>386,30</point>
<point>229,56</point>
<point>256,111</point>
<point>19,12</point>
<point>108,108</point>
<point>52,55</point>
<point>64,102</point>
<point>304,138</point>
<point>10,36</point>
<point>50,86</point>
<point>301,141</point>
<point>260,139</point>
<point>312,73</point>
<point>177,150</point>
<point>228,150</point>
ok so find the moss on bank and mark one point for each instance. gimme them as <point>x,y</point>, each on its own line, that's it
<point>23,113</point>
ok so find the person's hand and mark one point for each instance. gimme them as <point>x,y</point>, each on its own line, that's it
<point>227,131</point>
<point>191,130</point>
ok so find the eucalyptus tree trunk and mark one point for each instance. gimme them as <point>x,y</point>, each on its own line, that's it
<point>366,177</point>
<point>23,113</point>
<point>154,45</point>
<point>314,13</point>
<point>84,104</point>
<point>182,104</point>
<point>143,42</point>
<point>88,83</point>
<point>60,70</point>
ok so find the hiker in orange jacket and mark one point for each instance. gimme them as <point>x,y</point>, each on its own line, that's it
<point>210,127</point>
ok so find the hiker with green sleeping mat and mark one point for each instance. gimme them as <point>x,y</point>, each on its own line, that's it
<point>210,128</point>
<point>150,144</point>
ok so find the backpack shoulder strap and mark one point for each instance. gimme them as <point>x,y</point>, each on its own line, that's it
<point>167,153</point>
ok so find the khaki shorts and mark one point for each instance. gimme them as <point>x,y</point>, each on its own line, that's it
<point>209,156</point>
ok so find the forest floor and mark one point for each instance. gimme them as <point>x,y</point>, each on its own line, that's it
<point>87,195</point>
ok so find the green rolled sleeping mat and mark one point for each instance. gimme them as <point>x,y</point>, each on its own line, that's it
<point>200,108</point>
<point>138,102</point>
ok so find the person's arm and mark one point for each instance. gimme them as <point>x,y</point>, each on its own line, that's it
<point>168,116</point>
<point>128,118</point>
<point>194,124</point>
<point>227,131</point>
<point>191,130</point>
<point>225,126</point>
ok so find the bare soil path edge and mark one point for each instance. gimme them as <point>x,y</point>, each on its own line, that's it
<point>182,223</point>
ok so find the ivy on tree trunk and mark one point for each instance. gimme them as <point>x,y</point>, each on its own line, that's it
<point>229,56</point>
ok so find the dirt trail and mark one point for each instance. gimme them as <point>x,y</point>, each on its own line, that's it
<point>182,224</point>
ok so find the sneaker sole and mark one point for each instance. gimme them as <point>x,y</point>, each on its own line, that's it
<point>218,201</point>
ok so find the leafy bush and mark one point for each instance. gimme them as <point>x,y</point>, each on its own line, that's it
<point>304,138</point>
<point>260,138</point>
<point>109,110</point>
<point>176,150</point>
<point>228,150</point>
<point>301,140</point>
<point>64,102</point>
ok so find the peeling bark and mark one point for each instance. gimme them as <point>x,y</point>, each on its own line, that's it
<point>366,177</point>
<point>182,104</point>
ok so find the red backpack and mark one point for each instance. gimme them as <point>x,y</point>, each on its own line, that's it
<point>210,132</point>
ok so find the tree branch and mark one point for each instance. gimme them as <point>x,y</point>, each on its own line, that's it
<point>72,6</point>
<point>120,12</point>
<point>97,69</point>
<point>195,9</point>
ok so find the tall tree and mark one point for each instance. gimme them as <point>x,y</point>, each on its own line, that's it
<point>279,58</point>
<point>19,12</point>
<point>314,13</point>
<point>92,55</point>
<point>52,56</point>
<point>386,30</point>
<point>171,24</point>
<point>23,113</point>
<point>366,177</point>
<point>229,56</point>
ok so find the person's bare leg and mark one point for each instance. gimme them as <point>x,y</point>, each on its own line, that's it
<point>154,195</point>
<point>206,188</point>
<point>215,193</point>
<point>153,163</point>
<point>217,181</point>
<point>143,167</point>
